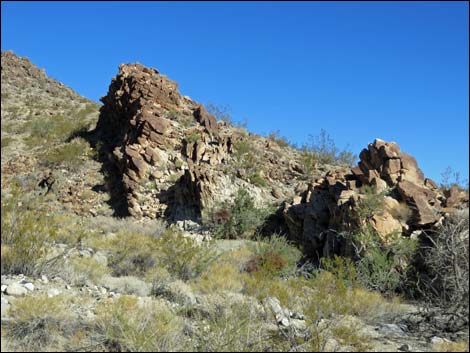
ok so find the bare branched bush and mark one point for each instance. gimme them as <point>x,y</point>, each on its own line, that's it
<point>447,262</point>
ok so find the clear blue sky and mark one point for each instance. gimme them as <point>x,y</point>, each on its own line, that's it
<point>359,70</point>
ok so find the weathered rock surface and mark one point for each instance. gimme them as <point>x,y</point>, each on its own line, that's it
<point>171,156</point>
<point>411,201</point>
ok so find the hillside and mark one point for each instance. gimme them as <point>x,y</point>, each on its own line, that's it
<point>153,223</point>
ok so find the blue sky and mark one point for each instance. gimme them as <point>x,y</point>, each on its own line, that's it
<point>359,70</point>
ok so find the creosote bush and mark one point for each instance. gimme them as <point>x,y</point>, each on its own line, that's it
<point>41,323</point>
<point>27,233</point>
<point>242,219</point>
<point>127,325</point>
<point>134,254</point>
<point>274,256</point>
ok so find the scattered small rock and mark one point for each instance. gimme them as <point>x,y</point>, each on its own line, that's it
<point>16,290</point>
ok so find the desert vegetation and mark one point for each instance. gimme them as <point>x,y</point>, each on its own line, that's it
<point>249,244</point>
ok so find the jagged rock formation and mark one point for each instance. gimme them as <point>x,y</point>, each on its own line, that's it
<point>411,202</point>
<point>173,158</point>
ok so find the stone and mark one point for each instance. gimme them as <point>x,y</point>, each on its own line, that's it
<point>276,192</point>
<point>418,197</point>
<point>4,288</point>
<point>385,224</point>
<point>53,292</point>
<point>392,166</point>
<point>205,119</point>
<point>29,286</point>
<point>16,290</point>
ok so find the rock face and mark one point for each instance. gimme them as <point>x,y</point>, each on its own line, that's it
<point>171,156</point>
<point>410,202</point>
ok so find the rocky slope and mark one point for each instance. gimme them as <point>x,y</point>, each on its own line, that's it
<point>150,153</point>
<point>175,160</point>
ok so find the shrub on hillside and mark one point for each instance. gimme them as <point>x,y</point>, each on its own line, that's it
<point>274,256</point>
<point>40,323</point>
<point>243,217</point>
<point>27,233</point>
<point>126,325</point>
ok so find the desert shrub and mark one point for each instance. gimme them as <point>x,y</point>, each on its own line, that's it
<point>258,180</point>
<point>277,138</point>
<point>69,155</point>
<point>244,218</point>
<point>125,325</point>
<point>370,204</point>
<point>243,147</point>
<point>308,161</point>
<point>274,256</point>
<point>52,130</point>
<point>183,257</point>
<point>40,323</point>
<point>450,177</point>
<point>221,113</point>
<point>27,233</point>
<point>445,279</point>
<point>131,254</point>
<point>233,327</point>
<point>325,150</point>
<point>136,254</point>
<point>337,290</point>
<point>461,346</point>
<point>220,277</point>
<point>193,137</point>
<point>6,140</point>
<point>77,271</point>
<point>383,265</point>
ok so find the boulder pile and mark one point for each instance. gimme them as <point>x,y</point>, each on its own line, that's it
<point>411,203</point>
<point>171,157</point>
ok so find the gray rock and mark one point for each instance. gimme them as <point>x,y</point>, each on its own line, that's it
<point>16,290</point>
<point>4,288</point>
<point>53,292</point>
<point>5,307</point>
<point>393,330</point>
<point>29,286</point>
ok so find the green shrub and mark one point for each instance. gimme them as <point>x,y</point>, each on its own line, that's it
<point>371,203</point>
<point>274,256</point>
<point>277,138</point>
<point>383,265</point>
<point>41,323</point>
<point>258,180</point>
<point>124,325</point>
<point>193,137</point>
<point>244,218</point>
<point>134,254</point>
<point>27,233</point>
<point>308,162</point>
<point>6,141</point>
<point>69,155</point>
<point>45,131</point>
<point>325,150</point>
<point>233,327</point>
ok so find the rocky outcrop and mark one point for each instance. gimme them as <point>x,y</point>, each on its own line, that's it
<point>410,202</point>
<point>171,157</point>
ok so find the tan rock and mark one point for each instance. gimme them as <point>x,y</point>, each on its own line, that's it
<point>385,224</point>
